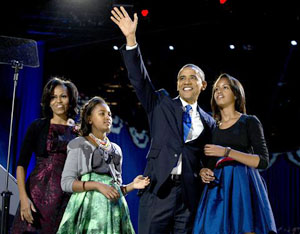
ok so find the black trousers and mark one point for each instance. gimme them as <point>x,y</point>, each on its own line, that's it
<point>165,213</point>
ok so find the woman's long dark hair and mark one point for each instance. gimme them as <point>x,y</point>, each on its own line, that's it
<point>86,111</point>
<point>48,92</point>
<point>238,91</point>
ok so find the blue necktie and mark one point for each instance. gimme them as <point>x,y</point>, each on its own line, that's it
<point>187,122</point>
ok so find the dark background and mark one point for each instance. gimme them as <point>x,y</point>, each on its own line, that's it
<point>79,39</point>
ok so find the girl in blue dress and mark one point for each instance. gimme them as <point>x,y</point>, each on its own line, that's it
<point>235,199</point>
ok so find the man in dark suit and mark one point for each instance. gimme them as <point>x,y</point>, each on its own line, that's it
<point>169,204</point>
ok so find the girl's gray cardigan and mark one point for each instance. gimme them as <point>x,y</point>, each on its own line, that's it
<point>79,162</point>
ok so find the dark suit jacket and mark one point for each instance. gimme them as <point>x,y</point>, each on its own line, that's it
<point>166,130</point>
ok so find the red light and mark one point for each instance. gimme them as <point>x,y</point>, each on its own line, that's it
<point>223,1</point>
<point>145,12</point>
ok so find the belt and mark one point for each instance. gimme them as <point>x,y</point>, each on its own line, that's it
<point>175,178</point>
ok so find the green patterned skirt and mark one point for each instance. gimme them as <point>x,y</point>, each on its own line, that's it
<point>92,212</point>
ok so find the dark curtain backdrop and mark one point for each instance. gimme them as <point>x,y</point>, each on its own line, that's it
<point>283,183</point>
<point>282,178</point>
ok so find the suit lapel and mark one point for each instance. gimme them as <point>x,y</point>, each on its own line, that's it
<point>178,115</point>
<point>203,118</point>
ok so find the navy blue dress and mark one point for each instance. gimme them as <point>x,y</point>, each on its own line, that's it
<point>237,201</point>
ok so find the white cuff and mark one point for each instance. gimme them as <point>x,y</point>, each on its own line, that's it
<point>131,47</point>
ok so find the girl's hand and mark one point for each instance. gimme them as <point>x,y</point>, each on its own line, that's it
<point>214,150</point>
<point>207,175</point>
<point>108,191</point>
<point>140,182</point>
<point>26,206</point>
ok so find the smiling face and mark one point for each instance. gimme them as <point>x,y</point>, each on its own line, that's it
<point>190,84</point>
<point>100,119</point>
<point>223,93</point>
<point>59,102</point>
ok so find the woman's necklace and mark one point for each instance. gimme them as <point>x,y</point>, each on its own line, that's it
<point>229,120</point>
<point>104,144</point>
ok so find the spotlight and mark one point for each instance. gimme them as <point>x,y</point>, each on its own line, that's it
<point>294,43</point>
<point>115,47</point>
<point>223,2</point>
<point>171,47</point>
<point>144,12</point>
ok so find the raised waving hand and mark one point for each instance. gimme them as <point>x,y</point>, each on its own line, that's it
<point>128,26</point>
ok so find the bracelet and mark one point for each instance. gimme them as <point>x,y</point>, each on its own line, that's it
<point>124,190</point>
<point>227,151</point>
<point>83,185</point>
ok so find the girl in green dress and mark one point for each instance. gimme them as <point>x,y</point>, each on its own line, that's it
<point>92,172</point>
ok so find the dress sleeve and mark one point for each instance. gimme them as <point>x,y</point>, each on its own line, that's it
<point>119,165</point>
<point>28,146</point>
<point>257,141</point>
<point>71,171</point>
